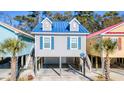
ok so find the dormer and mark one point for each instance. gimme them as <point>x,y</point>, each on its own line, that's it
<point>47,24</point>
<point>74,25</point>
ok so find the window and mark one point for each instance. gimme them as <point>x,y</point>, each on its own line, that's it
<point>114,39</point>
<point>47,42</point>
<point>74,43</point>
<point>46,25</point>
<point>74,25</point>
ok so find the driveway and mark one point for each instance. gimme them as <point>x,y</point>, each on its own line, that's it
<point>52,74</point>
<point>4,73</point>
<point>116,74</point>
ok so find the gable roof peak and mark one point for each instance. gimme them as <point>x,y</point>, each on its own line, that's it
<point>74,19</point>
<point>15,30</point>
<point>105,30</point>
<point>46,18</point>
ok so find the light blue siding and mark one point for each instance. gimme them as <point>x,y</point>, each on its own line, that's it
<point>68,42</point>
<point>52,42</point>
<point>6,33</point>
<point>41,42</point>
<point>79,42</point>
<point>60,47</point>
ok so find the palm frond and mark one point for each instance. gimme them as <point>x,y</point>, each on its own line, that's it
<point>13,45</point>
<point>1,49</point>
<point>106,45</point>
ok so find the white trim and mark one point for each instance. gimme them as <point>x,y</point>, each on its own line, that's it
<point>47,19</point>
<point>76,26</point>
<point>74,19</point>
<point>116,41</point>
<point>15,30</point>
<point>71,42</point>
<point>60,33</point>
<point>113,35</point>
<point>44,26</point>
<point>50,42</point>
<point>114,38</point>
<point>71,24</point>
<point>36,44</point>
<point>112,28</point>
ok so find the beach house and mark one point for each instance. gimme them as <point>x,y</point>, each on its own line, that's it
<point>59,42</point>
<point>7,31</point>
<point>115,33</point>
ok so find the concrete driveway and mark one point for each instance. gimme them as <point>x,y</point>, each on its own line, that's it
<point>53,74</point>
<point>4,73</point>
<point>116,74</point>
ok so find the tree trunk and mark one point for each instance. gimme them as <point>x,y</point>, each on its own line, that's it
<point>107,67</point>
<point>96,63</point>
<point>13,69</point>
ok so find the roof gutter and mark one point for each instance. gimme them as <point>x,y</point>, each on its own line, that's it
<point>49,33</point>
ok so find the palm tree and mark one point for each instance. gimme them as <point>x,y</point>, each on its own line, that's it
<point>108,46</point>
<point>1,50</point>
<point>13,46</point>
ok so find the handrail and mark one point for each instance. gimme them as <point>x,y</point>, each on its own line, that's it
<point>80,73</point>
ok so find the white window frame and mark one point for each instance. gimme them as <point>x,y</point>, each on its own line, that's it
<point>116,40</point>
<point>71,43</point>
<point>76,28</point>
<point>44,41</point>
<point>74,25</point>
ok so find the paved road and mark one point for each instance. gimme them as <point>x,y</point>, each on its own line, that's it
<point>51,74</point>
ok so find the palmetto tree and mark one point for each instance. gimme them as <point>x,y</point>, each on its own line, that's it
<point>1,50</point>
<point>13,46</point>
<point>108,46</point>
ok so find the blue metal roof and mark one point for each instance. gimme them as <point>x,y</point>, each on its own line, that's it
<point>60,26</point>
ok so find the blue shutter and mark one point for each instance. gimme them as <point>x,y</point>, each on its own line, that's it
<point>52,42</point>
<point>41,42</point>
<point>68,42</point>
<point>79,42</point>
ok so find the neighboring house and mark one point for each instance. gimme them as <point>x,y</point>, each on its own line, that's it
<point>116,33</point>
<point>7,31</point>
<point>59,42</point>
